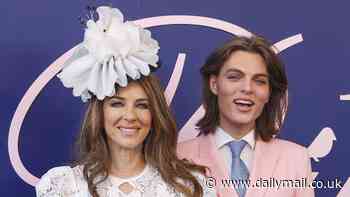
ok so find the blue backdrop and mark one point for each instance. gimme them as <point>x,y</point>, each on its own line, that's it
<point>33,34</point>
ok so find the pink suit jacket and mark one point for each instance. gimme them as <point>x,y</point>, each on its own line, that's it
<point>278,159</point>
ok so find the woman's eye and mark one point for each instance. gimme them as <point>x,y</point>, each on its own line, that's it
<point>143,105</point>
<point>116,104</point>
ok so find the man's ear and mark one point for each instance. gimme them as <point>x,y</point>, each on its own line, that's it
<point>213,84</point>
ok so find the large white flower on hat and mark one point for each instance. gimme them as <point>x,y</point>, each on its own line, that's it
<point>112,51</point>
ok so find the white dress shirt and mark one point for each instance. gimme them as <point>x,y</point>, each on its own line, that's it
<point>222,140</point>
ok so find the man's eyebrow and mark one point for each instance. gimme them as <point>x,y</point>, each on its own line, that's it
<point>261,75</point>
<point>241,72</point>
<point>233,70</point>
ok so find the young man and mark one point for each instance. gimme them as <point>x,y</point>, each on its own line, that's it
<point>244,89</point>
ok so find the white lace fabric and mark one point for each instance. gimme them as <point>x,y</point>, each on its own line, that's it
<point>65,181</point>
<point>132,181</point>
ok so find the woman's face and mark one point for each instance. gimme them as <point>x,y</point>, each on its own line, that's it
<point>243,89</point>
<point>127,117</point>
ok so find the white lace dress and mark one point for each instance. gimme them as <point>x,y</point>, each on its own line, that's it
<point>65,181</point>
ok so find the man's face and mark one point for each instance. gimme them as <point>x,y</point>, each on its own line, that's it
<point>242,87</point>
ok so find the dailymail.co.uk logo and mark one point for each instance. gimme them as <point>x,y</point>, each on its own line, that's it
<point>319,148</point>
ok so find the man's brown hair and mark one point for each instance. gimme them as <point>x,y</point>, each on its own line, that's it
<point>270,120</point>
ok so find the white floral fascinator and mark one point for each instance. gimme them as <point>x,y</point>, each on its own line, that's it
<point>112,51</point>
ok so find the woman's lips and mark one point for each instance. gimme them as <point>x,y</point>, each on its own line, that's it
<point>128,131</point>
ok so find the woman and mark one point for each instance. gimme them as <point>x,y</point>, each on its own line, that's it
<point>244,88</point>
<point>127,143</point>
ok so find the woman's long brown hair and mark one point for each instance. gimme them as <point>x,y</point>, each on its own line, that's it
<point>159,146</point>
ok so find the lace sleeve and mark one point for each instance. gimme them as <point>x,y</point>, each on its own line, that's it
<point>57,182</point>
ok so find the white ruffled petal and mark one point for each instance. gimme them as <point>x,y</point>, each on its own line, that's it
<point>93,31</point>
<point>104,78</point>
<point>133,32</point>
<point>91,25</point>
<point>112,77</point>
<point>107,79</point>
<point>81,85</point>
<point>81,66</point>
<point>85,96</point>
<point>141,65</point>
<point>94,79</point>
<point>107,14</point>
<point>123,39</point>
<point>150,58</point>
<point>99,88</point>
<point>122,80</point>
<point>79,52</point>
<point>93,38</point>
<point>117,18</point>
<point>147,42</point>
<point>131,69</point>
<point>117,14</point>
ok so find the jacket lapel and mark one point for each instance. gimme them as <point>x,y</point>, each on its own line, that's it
<point>265,159</point>
<point>211,157</point>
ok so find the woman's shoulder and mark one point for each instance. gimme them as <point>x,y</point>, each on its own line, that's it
<point>63,172</point>
<point>58,181</point>
<point>158,187</point>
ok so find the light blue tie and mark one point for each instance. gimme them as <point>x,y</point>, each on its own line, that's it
<point>239,170</point>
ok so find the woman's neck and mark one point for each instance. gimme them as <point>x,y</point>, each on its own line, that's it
<point>126,162</point>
